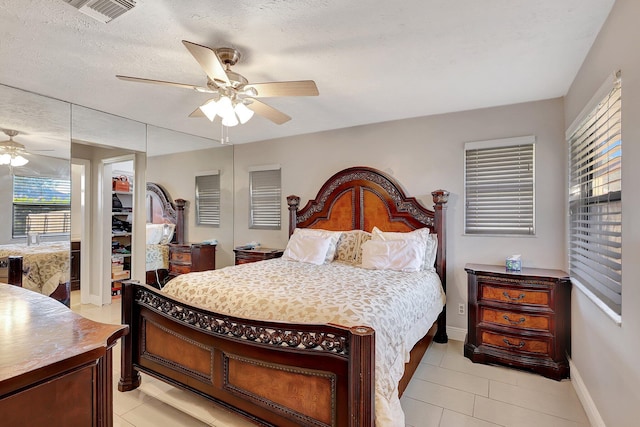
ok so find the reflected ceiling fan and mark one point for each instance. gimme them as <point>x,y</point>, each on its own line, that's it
<point>12,153</point>
<point>235,100</point>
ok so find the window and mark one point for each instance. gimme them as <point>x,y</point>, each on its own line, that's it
<point>499,187</point>
<point>41,205</point>
<point>208,199</point>
<point>595,199</point>
<point>265,198</point>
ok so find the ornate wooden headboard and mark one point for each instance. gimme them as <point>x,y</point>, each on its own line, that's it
<point>360,198</point>
<point>165,211</point>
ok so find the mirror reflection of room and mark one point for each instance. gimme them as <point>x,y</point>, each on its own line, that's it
<point>35,192</point>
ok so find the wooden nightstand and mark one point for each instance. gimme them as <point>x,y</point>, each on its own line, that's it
<point>245,256</point>
<point>520,319</point>
<point>186,258</point>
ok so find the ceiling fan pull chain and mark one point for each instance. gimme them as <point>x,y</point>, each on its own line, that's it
<point>223,139</point>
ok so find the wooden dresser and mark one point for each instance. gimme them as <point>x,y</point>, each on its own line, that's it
<point>185,258</point>
<point>245,256</point>
<point>520,319</point>
<point>55,365</point>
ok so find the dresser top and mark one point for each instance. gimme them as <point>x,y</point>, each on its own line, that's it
<point>502,270</point>
<point>39,332</point>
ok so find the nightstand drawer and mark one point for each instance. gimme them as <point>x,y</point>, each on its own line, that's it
<point>541,346</point>
<point>176,269</point>
<point>513,295</point>
<point>515,320</point>
<point>182,257</point>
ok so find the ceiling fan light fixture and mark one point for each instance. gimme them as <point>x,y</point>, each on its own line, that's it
<point>230,120</point>
<point>243,112</point>
<point>210,109</point>
<point>226,111</point>
<point>18,161</point>
<point>5,159</point>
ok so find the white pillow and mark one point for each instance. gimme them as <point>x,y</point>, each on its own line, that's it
<point>333,236</point>
<point>154,233</point>
<point>421,235</point>
<point>432,252</point>
<point>167,233</point>
<point>304,248</point>
<point>399,255</point>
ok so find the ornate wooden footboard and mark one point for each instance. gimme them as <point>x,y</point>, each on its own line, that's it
<point>282,374</point>
<point>273,373</point>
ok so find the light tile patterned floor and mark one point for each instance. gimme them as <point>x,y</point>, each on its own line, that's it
<point>447,390</point>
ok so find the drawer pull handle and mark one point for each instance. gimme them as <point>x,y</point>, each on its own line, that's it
<point>518,298</point>
<point>510,344</point>
<point>513,322</point>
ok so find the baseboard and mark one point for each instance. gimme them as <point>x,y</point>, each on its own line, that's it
<point>95,300</point>
<point>585,398</point>
<point>456,334</point>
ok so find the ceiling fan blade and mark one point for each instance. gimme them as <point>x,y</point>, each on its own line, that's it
<point>162,82</point>
<point>294,88</point>
<point>209,61</point>
<point>197,113</point>
<point>268,112</point>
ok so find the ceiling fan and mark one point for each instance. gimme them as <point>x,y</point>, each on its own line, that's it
<point>235,100</point>
<point>12,153</point>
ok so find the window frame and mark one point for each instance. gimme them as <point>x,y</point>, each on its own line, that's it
<point>591,110</point>
<point>471,223</point>
<point>21,231</point>
<point>269,210</point>
<point>208,206</point>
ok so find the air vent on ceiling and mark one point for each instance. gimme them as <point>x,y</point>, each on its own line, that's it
<point>102,10</point>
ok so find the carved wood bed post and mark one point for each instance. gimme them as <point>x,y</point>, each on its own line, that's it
<point>440,199</point>
<point>129,377</point>
<point>15,270</point>
<point>361,388</point>
<point>180,204</point>
<point>294,203</point>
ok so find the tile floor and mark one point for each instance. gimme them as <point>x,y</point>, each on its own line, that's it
<point>447,390</point>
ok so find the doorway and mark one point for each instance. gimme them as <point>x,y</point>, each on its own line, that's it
<point>81,226</point>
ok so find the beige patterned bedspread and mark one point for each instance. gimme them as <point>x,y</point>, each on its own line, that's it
<point>157,257</point>
<point>399,306</point>
<point>45,265</point>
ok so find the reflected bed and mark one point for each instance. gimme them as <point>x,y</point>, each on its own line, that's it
<point>45,267</point>
<point>165,224</point>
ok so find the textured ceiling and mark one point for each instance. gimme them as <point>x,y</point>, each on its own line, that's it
<point>372,60</point>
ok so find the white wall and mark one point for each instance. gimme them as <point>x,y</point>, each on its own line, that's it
<point>605,354</point>
<point>176,173</point>
<point>424,154</point>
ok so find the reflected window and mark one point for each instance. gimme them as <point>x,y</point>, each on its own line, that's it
<point>208,199</point>
<point>41,205</point>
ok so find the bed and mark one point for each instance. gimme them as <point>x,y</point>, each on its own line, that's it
<point>44,266</point>
<point>293,372</point>
<point>165,224</point>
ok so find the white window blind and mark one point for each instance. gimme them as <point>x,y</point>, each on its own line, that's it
<point>265,199</point>
<point>41,205</point>
<point>499,187</point>
<point>208,200</point>
<point>595,199</point>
